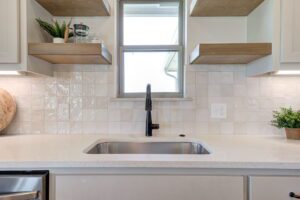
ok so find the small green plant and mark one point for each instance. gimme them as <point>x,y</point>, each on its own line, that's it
<point>56,30</point>
<point>286,118</point>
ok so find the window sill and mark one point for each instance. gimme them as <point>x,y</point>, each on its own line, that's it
<point>153,99</point>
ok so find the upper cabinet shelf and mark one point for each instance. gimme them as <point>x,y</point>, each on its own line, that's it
<point>235,53</point>
<point>212,8</point>
<point>76,7</point>
<point>70,53</point>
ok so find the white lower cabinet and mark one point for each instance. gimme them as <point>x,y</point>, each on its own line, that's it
<point>148,187</point>
<point>273,188</point>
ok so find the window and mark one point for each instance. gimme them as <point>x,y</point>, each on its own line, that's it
<point>151,47</point>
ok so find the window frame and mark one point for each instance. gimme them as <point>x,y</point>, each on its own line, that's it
<point>150,48</point>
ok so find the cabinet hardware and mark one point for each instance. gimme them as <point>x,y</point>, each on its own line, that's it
<point>293,195</point>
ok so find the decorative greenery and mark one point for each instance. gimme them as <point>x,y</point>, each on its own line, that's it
<point>286,118</point>
<point>56,30</point>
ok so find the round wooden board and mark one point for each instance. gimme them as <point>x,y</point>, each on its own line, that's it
<point>8,109</point>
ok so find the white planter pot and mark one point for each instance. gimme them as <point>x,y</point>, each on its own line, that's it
<point>58,40</point>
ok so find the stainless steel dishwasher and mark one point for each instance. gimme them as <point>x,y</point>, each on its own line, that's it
<point>25,185</point>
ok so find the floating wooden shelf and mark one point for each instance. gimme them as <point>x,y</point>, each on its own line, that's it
<point>76,7</point>
<point>71,53</point>
<point>223,7</point>
<point>235,53</point>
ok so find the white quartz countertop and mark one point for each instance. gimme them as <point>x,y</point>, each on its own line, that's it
<point>67,151</point>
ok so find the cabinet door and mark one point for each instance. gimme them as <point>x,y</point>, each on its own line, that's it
<point>148,187</point>
<point>273,188</point>
<point>9,31</point>
<point>290,29</point>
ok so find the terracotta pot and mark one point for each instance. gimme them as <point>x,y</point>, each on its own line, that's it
<point>293,133</point>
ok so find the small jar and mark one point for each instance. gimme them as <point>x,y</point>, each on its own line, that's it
<point>81,33</point>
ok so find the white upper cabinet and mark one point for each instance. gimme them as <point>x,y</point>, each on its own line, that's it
<point>290,38</point>
<point>18,28</point>
<point>9,31</point>
<point>278,22</point>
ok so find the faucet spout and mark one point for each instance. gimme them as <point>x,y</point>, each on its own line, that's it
<point>148,106</point>
<point>149,125</point>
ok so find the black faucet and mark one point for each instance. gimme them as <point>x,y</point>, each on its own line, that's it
<point>148,108</point>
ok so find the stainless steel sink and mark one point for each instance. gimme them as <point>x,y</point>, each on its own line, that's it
<point>148,148</point>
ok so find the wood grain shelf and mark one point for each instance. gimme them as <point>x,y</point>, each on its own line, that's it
<point>211,8</point>
<point>235,53</point>
<point>71,53</point>
<point>78,8</point>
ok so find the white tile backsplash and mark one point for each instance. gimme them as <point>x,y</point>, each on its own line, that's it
<point>78,100</point>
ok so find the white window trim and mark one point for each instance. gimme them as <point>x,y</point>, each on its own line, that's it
<point>150,48</point>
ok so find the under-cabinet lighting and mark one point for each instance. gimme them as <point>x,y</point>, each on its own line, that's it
<point>9,73</point>
<point>288,72</point>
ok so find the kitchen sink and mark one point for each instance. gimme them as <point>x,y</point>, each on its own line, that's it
<point>148,148</point>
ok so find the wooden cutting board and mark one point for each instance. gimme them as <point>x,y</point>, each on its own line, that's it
<point>8,109</point>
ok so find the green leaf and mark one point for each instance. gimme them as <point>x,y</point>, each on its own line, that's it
<point>286,118</point>
<point>63,28</point>
<point>69,24</point>
<point>58,29</point>
<point>49,28</point>
<point>55,29</point>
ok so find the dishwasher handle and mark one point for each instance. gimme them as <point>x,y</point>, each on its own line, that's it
<point>20,196</point>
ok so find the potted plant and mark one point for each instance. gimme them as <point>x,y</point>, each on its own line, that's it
<point>60,32</point>
<point>290,120</point>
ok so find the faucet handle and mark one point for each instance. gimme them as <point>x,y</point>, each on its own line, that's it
<point>155,126</point>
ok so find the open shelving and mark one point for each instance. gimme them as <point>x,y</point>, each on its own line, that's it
<point>71,53</point>
<point>223,8</point>
<point>234,53</point>
<point>76,7</point>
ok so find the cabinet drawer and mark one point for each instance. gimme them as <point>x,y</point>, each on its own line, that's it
<point>273,188</point>
<point>148,187</point>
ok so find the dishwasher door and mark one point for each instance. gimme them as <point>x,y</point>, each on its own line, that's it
<point>32,185</point>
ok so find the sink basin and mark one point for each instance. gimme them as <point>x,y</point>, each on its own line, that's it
<point>148,148</point>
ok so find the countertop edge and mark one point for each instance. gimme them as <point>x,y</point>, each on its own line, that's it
<point>152,164</point>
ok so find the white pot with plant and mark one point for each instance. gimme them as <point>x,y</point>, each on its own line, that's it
<point>60,32</point>
<point>290,120</point>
